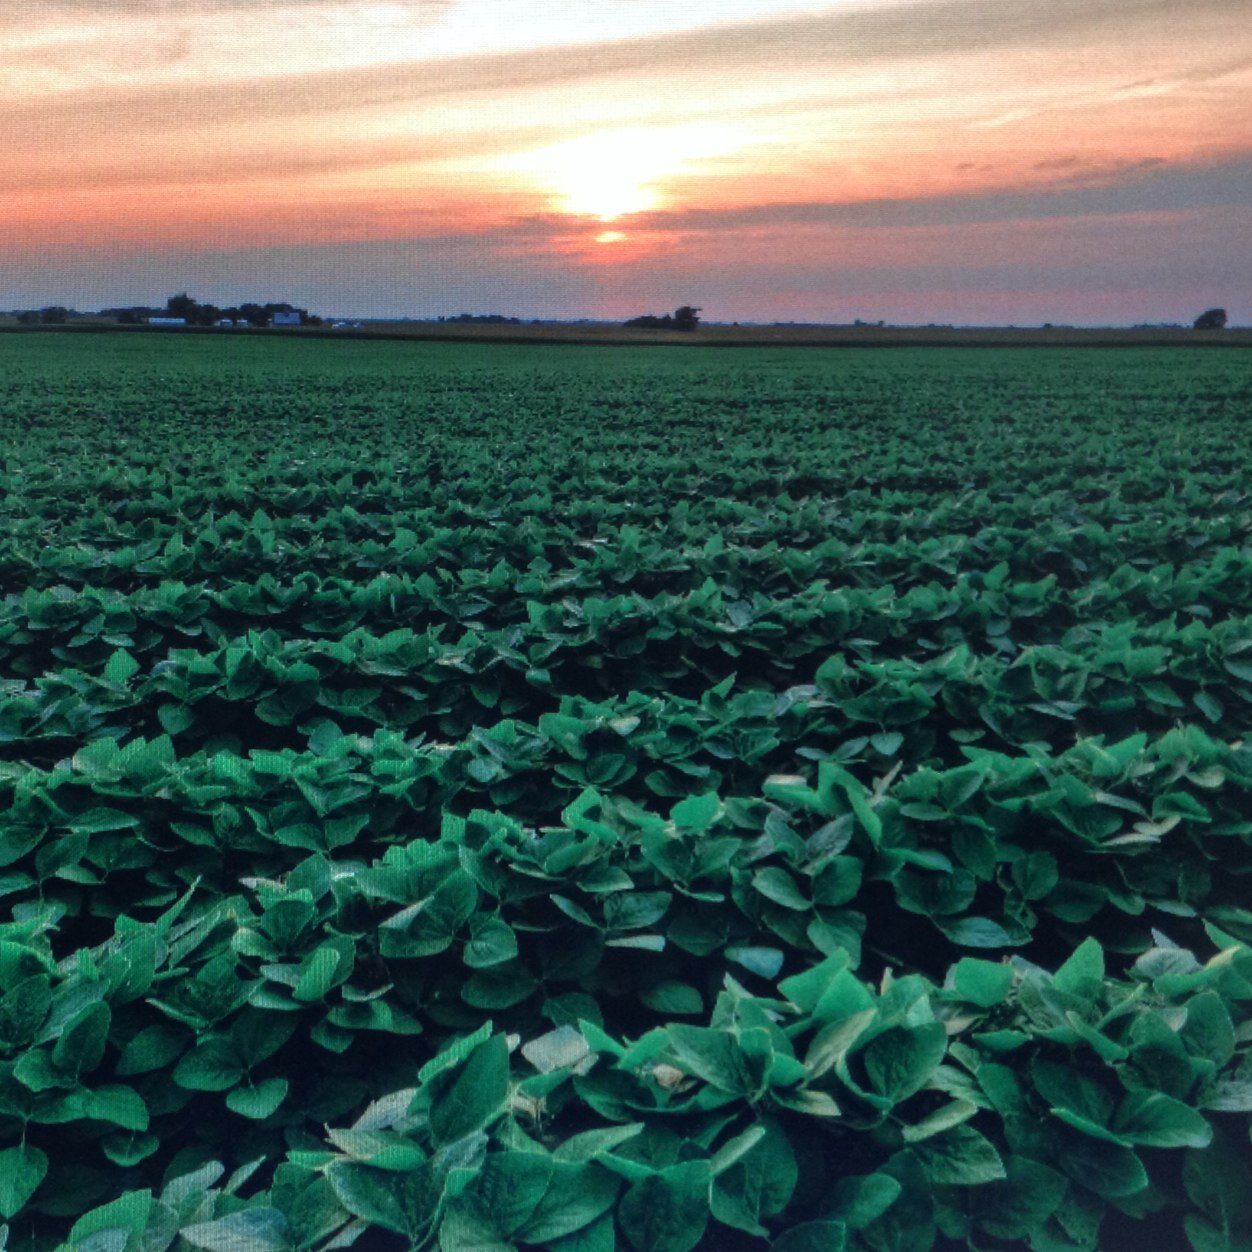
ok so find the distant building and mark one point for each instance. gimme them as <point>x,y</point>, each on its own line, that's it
<point>285,319</point>
<point>167,321</point>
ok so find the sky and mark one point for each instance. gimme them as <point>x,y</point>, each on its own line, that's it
<point>951,161</point>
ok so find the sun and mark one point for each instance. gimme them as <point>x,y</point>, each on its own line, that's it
<point>613,173</point>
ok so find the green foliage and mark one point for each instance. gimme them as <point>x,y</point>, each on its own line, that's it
<point>522,799</point>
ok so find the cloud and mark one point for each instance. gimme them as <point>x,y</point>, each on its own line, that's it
<point>852,37</point>
<point>1135,187</point>
<point>1097,171</point>
<point>50,12</point>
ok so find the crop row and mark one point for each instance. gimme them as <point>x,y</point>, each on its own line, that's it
<point>1110,679</point>
<point>1000,851</point>
<point>988,611</point>
<point>427,1049</point>
<point>741,543</point>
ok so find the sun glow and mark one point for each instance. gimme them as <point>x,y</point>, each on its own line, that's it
<point>613,173</point>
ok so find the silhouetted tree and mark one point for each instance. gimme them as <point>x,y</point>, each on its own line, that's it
<point>54,315</point>
<point>1211,319</point>
<point>685,318</point>
<point>28,317</point>
<point>181,305</point>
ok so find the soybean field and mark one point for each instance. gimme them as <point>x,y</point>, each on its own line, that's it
<point>498,797</point>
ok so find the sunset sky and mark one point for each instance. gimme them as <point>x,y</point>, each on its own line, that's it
<point>967,161</point>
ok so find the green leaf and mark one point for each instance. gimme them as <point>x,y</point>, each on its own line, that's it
<point>211,1066</point>
<point>1082,975</point>
<point>711,1055</point>
<point>1021,1202</point>
<point>260,1101</point>
<point>765,962</point>
<point>696,812</point>
<point>577,1197</point>
<point>1208,1030</point>
<point>121,666</point>
<point>942,1119</point>
<point>667,1212</point>
<point>454,1054</point>
<point>492,943</point>
<point>1155,1120</point>
<point>101,820</point>
<point>129,1148</point>
<point>128,1213</point>
<point>1219,1183</point>
<point>839,881</point>
<point>975,932</point>
<point>154,1047</point>
<point>80,1046</point>
<point>405,1203</point>
<point>1108,1169</point>
<point>806,989</point>
<point>467,1230</point>
<point>900,1060</point>
<point>22,1169</point>
<point>859,1200</point>
<point>590,1145</point>
<point>257,1036</point>
<point>673,999</point>
<point>318,975</point>
<point>984,983</point>
<point>259,1228</point>
<point>759,1184</point>
<point>960,1157</point>
<point>123,1106</point>
<point>176,718</point>
<point>558,1048</point>
<point>599,1236</point>
<point>477,1095</point>
<point>732,1152</point>
<point>1035,874</point>
<point>777,885</point>
<point>812,1237</point>
<point>510,1186</point>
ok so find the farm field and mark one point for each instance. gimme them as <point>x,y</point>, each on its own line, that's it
<point>712,335</point>
<point>511,797</point>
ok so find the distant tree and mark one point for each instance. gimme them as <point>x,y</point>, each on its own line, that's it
<point>182,305</point>
<point>1211,319</point>
<point>28,317</point>
<point>54,315</point>
<point>685,318</point>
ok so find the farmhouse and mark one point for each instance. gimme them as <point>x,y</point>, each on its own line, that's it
<point>167,321</point>
<point>285,319</point>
